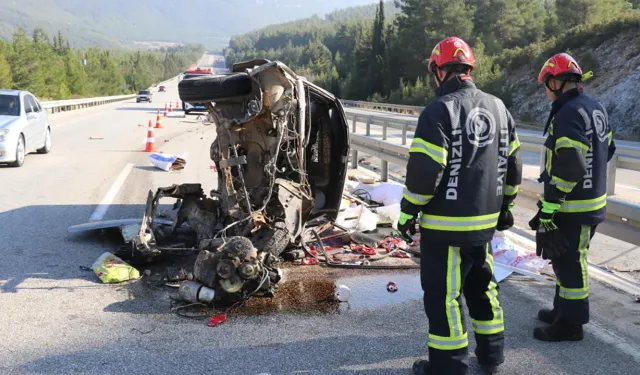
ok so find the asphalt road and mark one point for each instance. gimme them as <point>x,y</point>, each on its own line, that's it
<point>57,319</point>
<point>627,181</point>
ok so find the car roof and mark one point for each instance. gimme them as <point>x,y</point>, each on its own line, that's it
<point>12,92</point>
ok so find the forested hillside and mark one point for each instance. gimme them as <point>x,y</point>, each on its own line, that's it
<point>383,57</point>
<point>51,69</point>
<point>119,23</point>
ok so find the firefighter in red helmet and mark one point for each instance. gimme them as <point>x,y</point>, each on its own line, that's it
<point>462,178</point>
<point>578,146</point>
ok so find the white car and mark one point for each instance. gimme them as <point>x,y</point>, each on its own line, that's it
<point>24,127</point>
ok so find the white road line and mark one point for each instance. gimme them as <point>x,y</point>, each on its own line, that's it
<point>103,207</point>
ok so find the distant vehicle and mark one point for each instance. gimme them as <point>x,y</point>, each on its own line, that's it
<point>162,89</point>
<point>195,73</point>
<point>144,96</point>
<point>24,127</point>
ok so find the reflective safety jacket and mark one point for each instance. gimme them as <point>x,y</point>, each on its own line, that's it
<point>464,165</point>
<point>578,147</point>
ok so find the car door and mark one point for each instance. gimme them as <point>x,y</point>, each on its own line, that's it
<point>31,129</point>
<point>42,123</point>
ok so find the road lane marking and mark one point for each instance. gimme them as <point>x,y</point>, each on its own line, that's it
<point>103,207</point>
<point>627,187</point>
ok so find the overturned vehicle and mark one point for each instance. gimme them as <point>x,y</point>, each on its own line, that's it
<point>281,152</point>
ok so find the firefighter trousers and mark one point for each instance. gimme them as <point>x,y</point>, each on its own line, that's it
<point>571,301</point>
<point>446,272</point>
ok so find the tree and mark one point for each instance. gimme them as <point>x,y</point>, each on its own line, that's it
<point>6,79</point>
<point>579,12</point>
<point>24,65</point>
<point>379,59</point>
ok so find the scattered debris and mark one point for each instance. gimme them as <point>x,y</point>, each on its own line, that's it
<point>191,291</point>
<point>95,138</point>
<point>147,273</point>
<point>168,162</point>
<point>85,268</point>
<point>217,319</point>
<point>636,298</point>
<point>343,293</point>
<point>143,332</point>
<point>392,287</point>
<point>111,269</point>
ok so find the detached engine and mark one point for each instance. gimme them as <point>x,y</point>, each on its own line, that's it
<point>236,270</point>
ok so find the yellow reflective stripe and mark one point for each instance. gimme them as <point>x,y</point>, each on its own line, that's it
<point>562,185</point>
<point>610,136</point>
<point>583,249</point>
<point>547,162</point>
<point>564,142</point>
<point>492,293</point>
<point>487,327</point>
<point>459,224</point>
<point>417,199</point>
<point>437,153</point>
<point>511,190</point>
<point>514,145</point>
<point>448,343</point>
<point>454,284</point>
<point>586,205</point>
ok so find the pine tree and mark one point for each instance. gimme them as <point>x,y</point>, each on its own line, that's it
<point>379,58</point>
<point>24,65</point>
<point>6,80</point>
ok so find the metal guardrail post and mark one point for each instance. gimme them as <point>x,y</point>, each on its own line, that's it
<point>542,159</point>
<point>354,159</point>
<point>611,175</point>
<point>353,126</point>
<point>368,133</point>
<point>405,128</point>
<point>384,130</point>
<point>384,174</point>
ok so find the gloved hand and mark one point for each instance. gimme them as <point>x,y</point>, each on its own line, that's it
<point>550,243</point>
<point>505,220</point>
<point>407,226</point>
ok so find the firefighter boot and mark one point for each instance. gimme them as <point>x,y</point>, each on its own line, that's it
<point>420,367</point>
<point>559,331</point>
<point>546,316</point>
<point>489,370</point>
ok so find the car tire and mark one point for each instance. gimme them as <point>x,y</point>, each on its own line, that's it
<point>273,240</point>
<point>209,89</point>
<point>47,143</point>
<point>21,152</point>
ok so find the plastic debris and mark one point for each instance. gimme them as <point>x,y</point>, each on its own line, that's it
<point>392,287</point>
<point>309,261</point>
<point>343,293</point>
<point>358,218</point>
<point>111,269</point>
<point>168,162</point>
<point>217,319</point>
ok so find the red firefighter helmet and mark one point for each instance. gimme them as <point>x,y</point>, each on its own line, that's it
<point>451,51</point>
<point>560,65</point>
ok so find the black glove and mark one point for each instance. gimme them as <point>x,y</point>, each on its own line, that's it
<point>407,227</point>
<point>550,243</point>
<point>505,220</point>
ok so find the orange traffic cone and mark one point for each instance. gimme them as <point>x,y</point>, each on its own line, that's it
<point>158,121</point>
<point>151,147</point>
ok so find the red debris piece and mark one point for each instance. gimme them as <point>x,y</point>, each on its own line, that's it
<point>312,250</point>
<point>362,249</point>
<point>401,254</point>
<point>217,319</point>
<point>392,287</point>
<point>392,243</point>
<point>637,298</point>
<point>309,261</point>
<point>213,168</point>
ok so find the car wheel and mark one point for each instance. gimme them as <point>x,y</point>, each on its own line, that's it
<point>209,89</point>
<point>273,240</point>
<point>20,153</point>
<point>47,143</point>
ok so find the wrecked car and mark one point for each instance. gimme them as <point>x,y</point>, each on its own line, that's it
<point>281,151</point>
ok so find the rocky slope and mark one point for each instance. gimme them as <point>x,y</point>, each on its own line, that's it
<point>616,82</point>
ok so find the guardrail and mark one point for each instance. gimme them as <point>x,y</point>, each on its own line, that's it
<point>623,218</point>
<point>626,157</point>
<point>396,108</point>
<point>56,106</point>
